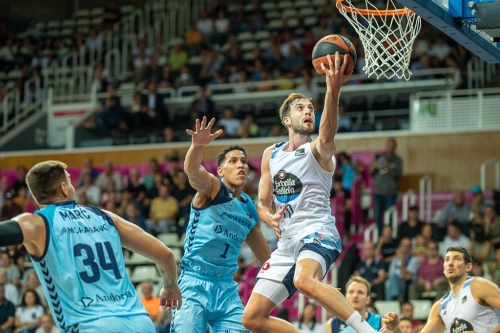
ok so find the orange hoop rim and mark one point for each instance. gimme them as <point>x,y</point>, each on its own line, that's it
<point>373,12</point>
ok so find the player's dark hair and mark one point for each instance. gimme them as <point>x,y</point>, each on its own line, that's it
<point>222,156</point>
<point>44,179</point>
<point>285,107</point>
<point>313,319</point>
<point>466,254</point>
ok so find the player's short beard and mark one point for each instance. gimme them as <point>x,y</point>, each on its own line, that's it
<point>299,128</point>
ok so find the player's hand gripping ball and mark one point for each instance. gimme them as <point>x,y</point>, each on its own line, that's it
<point>329,45</point>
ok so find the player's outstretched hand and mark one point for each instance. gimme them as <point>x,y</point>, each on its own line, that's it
<point>276,219</point>
<point>390,321</point>
<point>203,135</point>
<point>335,77</point>
<point>170,298</point>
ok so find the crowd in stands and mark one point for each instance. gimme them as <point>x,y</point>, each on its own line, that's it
<point>403,265</point>
<point>32,50</point>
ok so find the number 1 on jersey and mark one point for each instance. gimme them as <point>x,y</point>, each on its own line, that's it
<point>225,251</point>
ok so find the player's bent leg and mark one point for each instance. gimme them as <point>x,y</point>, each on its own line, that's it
<point>311,267</point>
<point>265,296</point>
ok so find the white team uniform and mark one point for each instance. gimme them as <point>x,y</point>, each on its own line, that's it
<point>461,313</point>
<point>307,223</point>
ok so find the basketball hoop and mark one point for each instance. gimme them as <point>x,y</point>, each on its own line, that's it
<point>387,36</point>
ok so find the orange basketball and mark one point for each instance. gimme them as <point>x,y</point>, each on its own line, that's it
<point>329,45</point>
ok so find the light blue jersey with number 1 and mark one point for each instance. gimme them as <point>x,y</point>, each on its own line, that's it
<point>215,234</point>
<point>211,249</point>
<point>82,270</point>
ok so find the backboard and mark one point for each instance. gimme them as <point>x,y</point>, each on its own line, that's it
<point>458,19</point>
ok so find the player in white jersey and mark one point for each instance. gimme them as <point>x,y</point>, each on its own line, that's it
<point>472,305</point>
<point>297,174</point>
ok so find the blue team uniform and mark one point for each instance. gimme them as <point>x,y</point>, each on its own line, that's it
<point>211,249</point>
<point>82,273</point>
<point>338,326</point>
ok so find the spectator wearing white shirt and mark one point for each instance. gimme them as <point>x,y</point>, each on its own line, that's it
<point>229,123</point>
<point>29,313</point>
<point>455,237</point>
<point>288,43</point>
<point>221,25</point>
<point>11,292</point>
<point>206,26</point>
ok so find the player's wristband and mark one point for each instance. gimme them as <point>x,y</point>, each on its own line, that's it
<point>10,233</point>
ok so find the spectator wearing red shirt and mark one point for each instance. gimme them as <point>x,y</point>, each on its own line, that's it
<point>430,275</point>
<point>10,208</point>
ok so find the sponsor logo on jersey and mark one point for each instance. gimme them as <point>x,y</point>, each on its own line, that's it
<point>320,236</point>
<point>287,186</point>
<point>300,152</point>
<point>266,266</point>
<point>218,229</point>
<point>230,205</point>
<point>86,301</point>
<point>242,222</point>
<point>85,229</point>
<point>460,326</point>
<point>464,299</point>
<point>250,217</point>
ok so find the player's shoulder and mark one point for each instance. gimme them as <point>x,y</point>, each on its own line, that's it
<point>28,218</point>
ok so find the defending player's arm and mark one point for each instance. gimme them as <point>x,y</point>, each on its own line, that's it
<point>324,145</point>
<point>486,292</point>
<point>137,240</point>
<point>265,196</point>
<point>27,229</point>
<point>206,184</point>
<point>434,323</point>
<point>258,245</point>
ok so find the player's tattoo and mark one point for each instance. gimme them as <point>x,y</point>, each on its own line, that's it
<point>168,282</point>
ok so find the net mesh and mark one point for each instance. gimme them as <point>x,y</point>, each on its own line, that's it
<point>387,35</point>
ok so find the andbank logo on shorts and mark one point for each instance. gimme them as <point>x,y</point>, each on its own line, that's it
<point>287,186</point>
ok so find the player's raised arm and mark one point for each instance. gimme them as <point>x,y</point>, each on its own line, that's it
<point>202,181</point>
<point>137,240</point>
<point>324,145</point>
<point>258,244</point>
<point>265,196</point>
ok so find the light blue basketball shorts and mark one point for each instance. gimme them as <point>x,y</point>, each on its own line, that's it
<point>125,324</point>
<point>208,303</point>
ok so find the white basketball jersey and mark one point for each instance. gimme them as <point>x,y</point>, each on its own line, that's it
<point>461,313</point>
<point>304,186</point>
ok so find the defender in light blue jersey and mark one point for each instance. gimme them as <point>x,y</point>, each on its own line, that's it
<point>77,254</point>
<point>222,218</point>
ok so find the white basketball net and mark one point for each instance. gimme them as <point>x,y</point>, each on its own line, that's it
<point>387,36</point>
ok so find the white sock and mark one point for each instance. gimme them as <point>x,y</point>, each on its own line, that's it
<point>358,323</point>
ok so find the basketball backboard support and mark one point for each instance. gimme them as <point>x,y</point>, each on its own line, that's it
<point>457,19</point>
